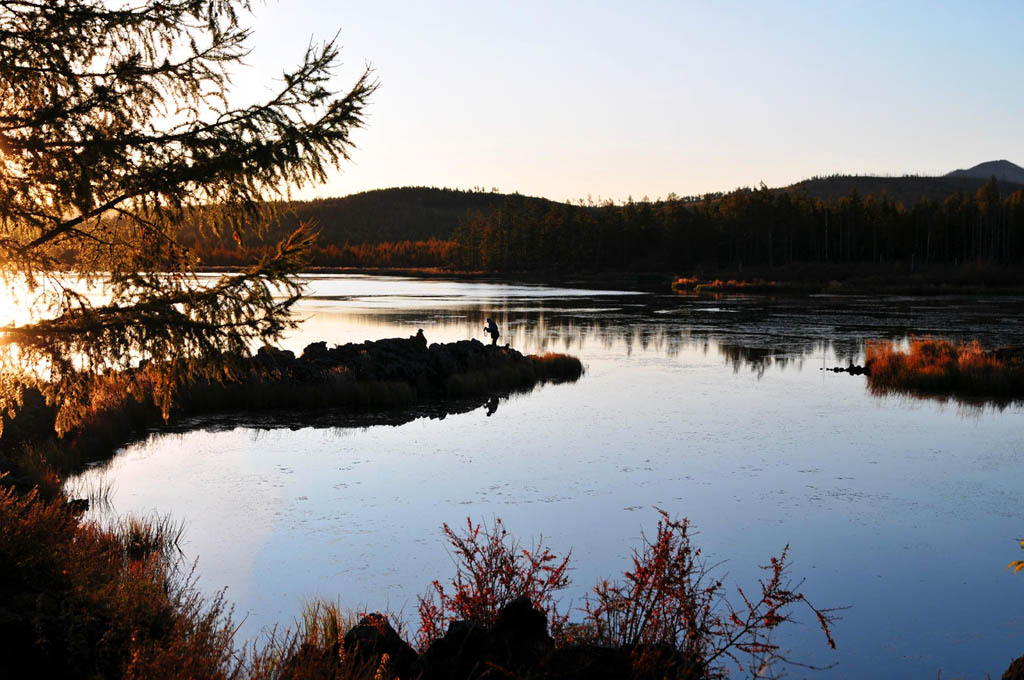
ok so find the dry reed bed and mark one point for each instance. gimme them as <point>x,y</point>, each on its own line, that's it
<point>941,368</point>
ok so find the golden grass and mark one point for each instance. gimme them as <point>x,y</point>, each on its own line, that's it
<point>555,367</point>
<point>941,368</point>
<point>755,285</point>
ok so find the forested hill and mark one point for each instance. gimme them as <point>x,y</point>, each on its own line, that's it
<point>908,189</point>
<point>398,214</point>
<point>424,213</point>
<point>887,221</point>
<point>1003,170</point>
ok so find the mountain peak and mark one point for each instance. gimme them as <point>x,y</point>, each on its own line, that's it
<point>1001,169</point>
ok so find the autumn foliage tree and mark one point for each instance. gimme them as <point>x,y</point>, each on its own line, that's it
<point>116,127</point>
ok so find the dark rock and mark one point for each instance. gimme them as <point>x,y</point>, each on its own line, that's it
<point>78,505</point>
<point>1015,671</point>
<point>272,356</point>
<point>315,350</point>
<point>513,646</point>
<point>586,662</point>
<point>521,634</point>
<point>372,637</point>
<point>456,656</point>
<point>852,369</point>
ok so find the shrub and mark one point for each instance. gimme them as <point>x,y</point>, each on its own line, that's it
<point>669,611</point>
<point>556,367</point>
<point>669,598</point>
<point>88,602</point>
<point>491,570</point>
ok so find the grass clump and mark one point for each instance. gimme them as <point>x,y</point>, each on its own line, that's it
<point>86,602</point>
<point>556,367</point>
<point>941,368</point>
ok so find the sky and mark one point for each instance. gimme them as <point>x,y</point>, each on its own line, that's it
<point>570,100</point>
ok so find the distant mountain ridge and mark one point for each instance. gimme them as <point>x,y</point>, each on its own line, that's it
<point>1002,170</point>
<point>396,214</point>
<point>421,213</point>
<point>907,190</point>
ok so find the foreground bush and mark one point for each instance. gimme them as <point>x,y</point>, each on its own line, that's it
<point>78,601</point>
<point>669,614</point>
<point>492,570</point>
<point>81,601</point>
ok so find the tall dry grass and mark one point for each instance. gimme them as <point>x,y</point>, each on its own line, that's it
<point>83,601</point>
<point>942,368</point>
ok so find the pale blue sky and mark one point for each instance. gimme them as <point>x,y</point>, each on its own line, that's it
<point>566,99</point>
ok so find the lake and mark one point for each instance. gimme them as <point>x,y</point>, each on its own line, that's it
<point>713,408</point>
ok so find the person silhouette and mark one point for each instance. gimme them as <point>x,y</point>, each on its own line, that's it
<point>492,406</point>
<point>492,328</point>
<point>420,338</point>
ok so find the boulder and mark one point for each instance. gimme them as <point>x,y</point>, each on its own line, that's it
<point>586,662</point>
<point>514,646</point>
<point>373,637</point>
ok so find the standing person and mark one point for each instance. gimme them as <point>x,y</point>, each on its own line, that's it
<point>492,328</point>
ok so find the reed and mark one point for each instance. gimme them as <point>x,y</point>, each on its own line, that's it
<point>555,367</point>
<point>944,369</point>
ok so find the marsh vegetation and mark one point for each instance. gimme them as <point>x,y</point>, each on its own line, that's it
<point>940,368</point>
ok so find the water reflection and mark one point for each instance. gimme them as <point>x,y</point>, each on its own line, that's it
<point>339,420</point>
<point>757,333</point>
<point>712,409</point>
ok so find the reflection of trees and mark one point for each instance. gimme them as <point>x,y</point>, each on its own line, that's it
<point>757,358</point>
<point>751,332</point>
<point>340,419</point>
<point>578,325</point>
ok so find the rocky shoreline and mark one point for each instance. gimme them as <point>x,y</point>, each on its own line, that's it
<point>322,382</point>
<point>518,645</point>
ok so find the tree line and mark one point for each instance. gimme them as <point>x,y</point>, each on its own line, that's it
<point>747,227</point>
<point>429,253</point>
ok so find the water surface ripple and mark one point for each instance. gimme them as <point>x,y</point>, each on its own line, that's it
<point>714,408</point>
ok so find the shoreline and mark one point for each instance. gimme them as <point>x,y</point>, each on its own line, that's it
<point>810,279</point>
<point>369,377</point>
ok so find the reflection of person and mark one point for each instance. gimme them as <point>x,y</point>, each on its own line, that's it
<point>492,328</point>
<point>492,406</point>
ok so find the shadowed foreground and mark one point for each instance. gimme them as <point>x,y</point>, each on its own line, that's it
<point>81,601</point>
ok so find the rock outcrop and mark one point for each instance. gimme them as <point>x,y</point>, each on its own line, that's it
<point>518,645</point>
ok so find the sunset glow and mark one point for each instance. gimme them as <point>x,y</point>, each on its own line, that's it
<point>676,340</point>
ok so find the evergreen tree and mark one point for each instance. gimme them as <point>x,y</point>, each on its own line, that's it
<point>116,126</point>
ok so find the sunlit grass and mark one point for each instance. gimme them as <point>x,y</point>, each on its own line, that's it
<point>942,368</point>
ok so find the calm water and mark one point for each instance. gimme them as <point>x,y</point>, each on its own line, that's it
<point>715,409</point>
